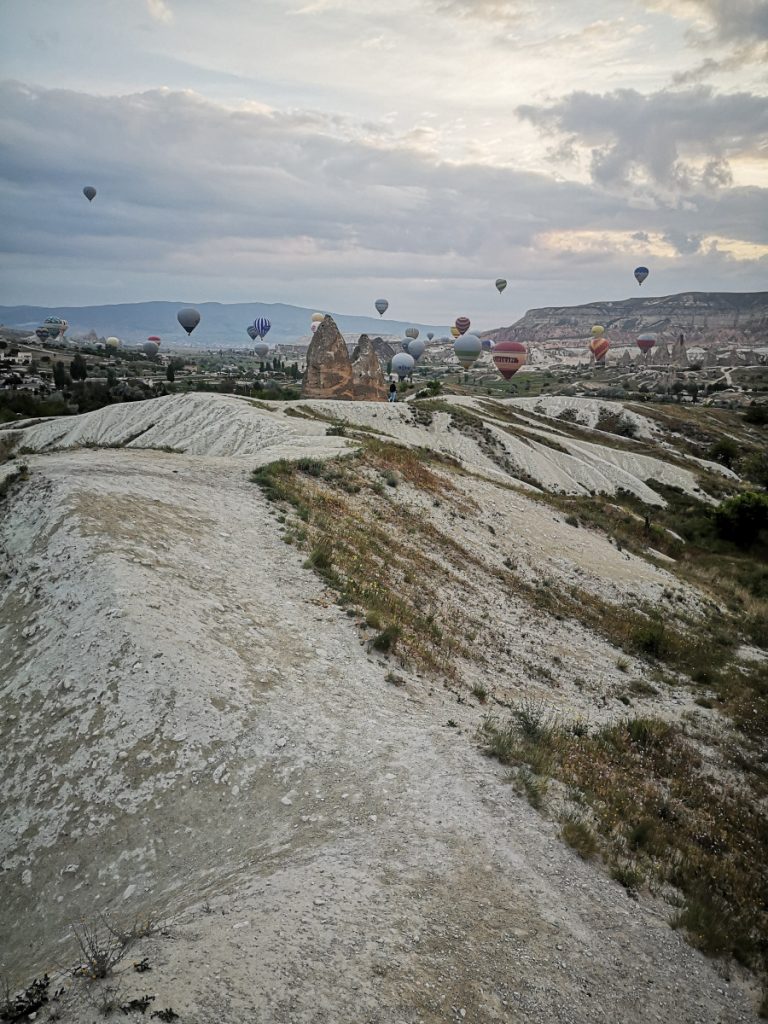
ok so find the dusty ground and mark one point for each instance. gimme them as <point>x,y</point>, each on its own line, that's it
<point>192,728</point>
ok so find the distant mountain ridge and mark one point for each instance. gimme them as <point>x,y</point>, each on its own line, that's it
<point>738,318</point>
<point>221,324</point>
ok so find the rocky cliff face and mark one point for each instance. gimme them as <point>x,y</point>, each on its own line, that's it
<point>367,377</point>
<point>718,318</point>
<point>330,372</point>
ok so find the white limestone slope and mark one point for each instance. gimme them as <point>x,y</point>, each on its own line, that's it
<point>217,426</point>
<point>587,411</point>
<point>195,424</point>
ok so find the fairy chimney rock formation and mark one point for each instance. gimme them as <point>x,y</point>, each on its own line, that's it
<point>330,373</point>
<point>367,377</point>
<point>679,355</point>
<point>329,370</point>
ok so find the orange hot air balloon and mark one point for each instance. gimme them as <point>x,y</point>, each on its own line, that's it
<point>508,357</point>
<point>599,348</point>
<point>455,332</point>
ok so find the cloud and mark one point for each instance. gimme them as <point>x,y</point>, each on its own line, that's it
<point>227,202</point>
<point>160,11</point>
<point>740,27</point>
<point>679,140</point>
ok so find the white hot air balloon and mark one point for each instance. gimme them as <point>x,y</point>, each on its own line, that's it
<point>403,364</point>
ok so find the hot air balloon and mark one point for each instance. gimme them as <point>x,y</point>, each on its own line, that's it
<point>501,284</point>
<point>317,317</point>
<point>646,341</point>
<point>151,348</point>
<point>430,335</point>
<point>416,348</point>
<point>412,332</point>
<point>467,348</point>
<point>252,332</point>
<point>597,330</point>
<point>405,343</point>
<point>641,273</point>
<point>455,332</point>
<point>403,364</point>
<point>508,357</point>
<point>262,325</point>
<point>189,318</point>
<point>113,343</point>
<point>56,326</point>
<point>462,324</point>
<point>487,344</point>
<point>313,327</point>
<point>154,337</point>
<point>381,306</point>
<point>42,334</point>
<point>599,348</point>
<point>261,349</point>
<point>89,192</point>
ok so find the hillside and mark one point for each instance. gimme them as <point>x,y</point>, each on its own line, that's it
<point>222,324</point>
<point>719,318</point>
<point>250,711</point>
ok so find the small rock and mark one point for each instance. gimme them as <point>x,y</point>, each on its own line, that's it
<point>130,890</point>
<point>71,869</point>
<point>26,877</point>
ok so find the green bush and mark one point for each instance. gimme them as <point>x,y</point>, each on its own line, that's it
<point>757,414</point>
<point>386,639</point>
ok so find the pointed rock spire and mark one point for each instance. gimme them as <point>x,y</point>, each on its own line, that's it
<point>329,370</point>
<point>367,378</point>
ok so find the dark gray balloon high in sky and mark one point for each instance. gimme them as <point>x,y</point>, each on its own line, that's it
<point>89,192</point>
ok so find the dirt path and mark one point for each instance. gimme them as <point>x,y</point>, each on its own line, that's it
<point>192,726</point>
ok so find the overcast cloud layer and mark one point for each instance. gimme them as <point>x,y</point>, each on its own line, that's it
<point>327,152</point>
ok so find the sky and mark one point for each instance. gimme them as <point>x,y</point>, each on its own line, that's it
<point>327,153</point>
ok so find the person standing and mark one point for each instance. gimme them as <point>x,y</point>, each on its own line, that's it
<point>393,392</point>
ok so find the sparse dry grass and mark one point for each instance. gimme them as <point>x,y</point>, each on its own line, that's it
<point>649,804</point>
<point>384,571</point>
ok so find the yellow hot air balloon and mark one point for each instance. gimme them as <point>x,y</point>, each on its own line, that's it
<point>597,330</point>
<point>113,343</point>
<point>317,317</point>
<point>455,331</point>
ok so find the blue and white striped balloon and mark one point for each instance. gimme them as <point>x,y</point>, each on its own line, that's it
<point>262,326</point>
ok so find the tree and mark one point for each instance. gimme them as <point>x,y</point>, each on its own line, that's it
<point>78,368</point>
<point>61,378</point>
<point>755,467</point>
<point>677,389</point>
<point>111,378</point>
<point>170,373</point>
<point>725,452</point>
<point>743,518</point>
<point>693,391</point>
